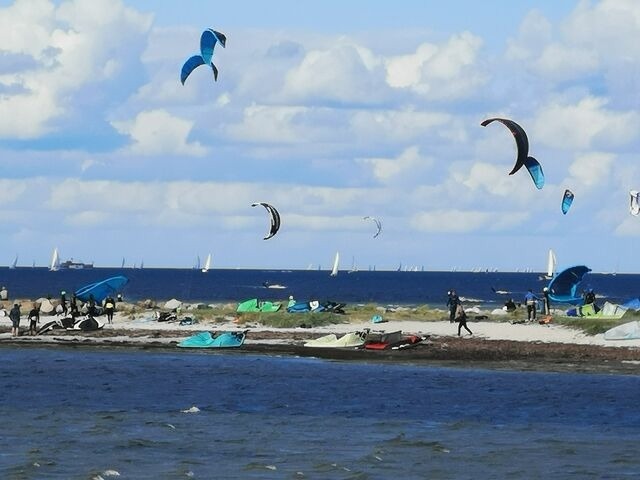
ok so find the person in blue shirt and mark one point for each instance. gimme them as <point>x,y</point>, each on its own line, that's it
<point>531,302</point>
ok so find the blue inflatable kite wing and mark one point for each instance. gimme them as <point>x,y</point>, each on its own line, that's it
<point>567,200</point>
<point>189,66</point>
<point>208,41</point>
<point>535,170</point>
<point>563,287</point>
<point>101,290</point>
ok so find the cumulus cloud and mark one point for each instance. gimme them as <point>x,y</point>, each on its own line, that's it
<point>592,169</point>
<point>445,72</point>
<point>585,124</point>
<point>465,221</point>
<point>158,132</point>
<point>77,43</point>
<point>406,164</point>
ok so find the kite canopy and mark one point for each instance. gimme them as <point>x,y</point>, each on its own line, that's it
<point>522,142</point>
<point>563,287</point>
<point>377,222</point>
<point>567,200</point>
<point>101,290</point>
<point>274,217</point>
<point>535,170</point>
<point>208,41</point>
<point>634,205</point>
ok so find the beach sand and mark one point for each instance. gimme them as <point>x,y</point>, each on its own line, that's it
<point>493,344</point>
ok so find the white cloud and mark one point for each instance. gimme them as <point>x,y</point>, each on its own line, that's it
<point>585,124</point>
<point>442,72</point>
<point>407,164</point>
<point>157,132</point>
<point>75,44</point>
<point>345,72</point>
<point>465,221</point>
<point>592,169</point>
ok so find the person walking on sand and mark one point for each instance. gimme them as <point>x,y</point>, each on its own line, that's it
<point>452,302</point>
<point>530,300</point>
<point>109,307</point>
<point>461,318</point>
<point>34,319</point>
<point>14,315</point>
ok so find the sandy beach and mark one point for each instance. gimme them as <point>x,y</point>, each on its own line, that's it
<point>530,346</point>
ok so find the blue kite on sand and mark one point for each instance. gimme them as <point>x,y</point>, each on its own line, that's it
<point>208,41</point>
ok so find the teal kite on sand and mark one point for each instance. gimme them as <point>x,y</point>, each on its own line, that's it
<point>208,41</point>
<point>220,340</point>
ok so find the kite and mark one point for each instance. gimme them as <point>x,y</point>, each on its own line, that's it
<point>634,205</point>
<point>274,217</point>
<point>567,200</point>
<point>208,41</point>
<point>535,170</point>
<point>377,222</point>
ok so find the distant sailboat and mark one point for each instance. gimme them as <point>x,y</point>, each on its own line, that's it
<point>551,264</point>
<point>122,266</point>
<point>15,263</point>
<point>207,264</point>
<point>336,261</point>
<point>354,267</point>
<point>55,261</point>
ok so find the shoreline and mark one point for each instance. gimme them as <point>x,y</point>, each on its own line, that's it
<point>494,345</point>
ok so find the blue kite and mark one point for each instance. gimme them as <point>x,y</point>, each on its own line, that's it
<point>208,41</point>
<point>567,200</point>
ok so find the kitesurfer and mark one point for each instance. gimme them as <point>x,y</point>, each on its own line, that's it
<point>14,315</point>
<point>34,319</point>
<point>452,302</point>
<point>510,305</point>
<point>461,318</point>
<point>531,300</point>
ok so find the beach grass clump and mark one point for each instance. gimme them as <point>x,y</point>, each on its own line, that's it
<point>594,325</point>
<point>291,320</point>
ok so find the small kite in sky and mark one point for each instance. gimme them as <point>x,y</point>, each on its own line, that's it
<point>567,200</point>
<point>274,218</point>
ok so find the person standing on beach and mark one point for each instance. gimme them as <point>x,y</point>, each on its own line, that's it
<point>14,315</point>
<point>452,302</point>
<point>91,310</point>
<point>109,307</point>
<point>63,302</point>
<point>4,294</point>
<point>34,319</point>
<point>73,306</point>
<point>530,300</point>
<point>291,302</point>
<point>461,318</point>
<point>546,302</point>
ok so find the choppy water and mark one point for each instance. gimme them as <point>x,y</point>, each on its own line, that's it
<point>79,413</point>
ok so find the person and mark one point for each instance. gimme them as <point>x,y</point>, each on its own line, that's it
<point>452,302</point>
<point>546,302</point>
<point>63,302</point>
<point>510,305</point>
<point>530,300</point>
<point>461,318</point>
<point>590,297</point>
<point>14,315</point>
<point>34,319</point>
<point>119,297</point>
<point>109,307</point>
<point>73,306</point>
<point>292,302</point>
<point>4,294</point>
<point>91,310</point>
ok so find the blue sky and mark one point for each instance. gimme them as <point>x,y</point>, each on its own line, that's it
<point>330,111</point>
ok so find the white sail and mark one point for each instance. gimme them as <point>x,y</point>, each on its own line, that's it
<point>551,264</point>
<point>15,263</point>
<point>207,264</point>
<point>55,261</point>
<point>336,261</point>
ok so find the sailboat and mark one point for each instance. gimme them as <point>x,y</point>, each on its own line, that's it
<point>207,264</point>
<point>15,263</point>
<point>122,266</point>
<point>55,261</point>
<point>354,267</point>
<point>336,261</point>
<point>551,265</point>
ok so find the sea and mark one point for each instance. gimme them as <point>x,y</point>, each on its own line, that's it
<point>101,413</point>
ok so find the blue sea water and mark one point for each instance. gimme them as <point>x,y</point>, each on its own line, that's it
<point>80,413</point>
<point>383,287</point>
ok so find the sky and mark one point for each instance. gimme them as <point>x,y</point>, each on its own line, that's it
<point>330,111</point>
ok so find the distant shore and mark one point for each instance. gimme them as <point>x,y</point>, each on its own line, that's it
<point>528,347</point>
